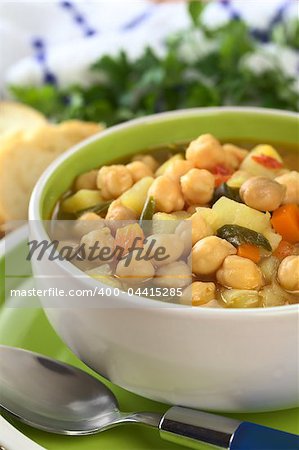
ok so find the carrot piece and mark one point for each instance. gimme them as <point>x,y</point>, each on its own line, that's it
<point>128,236</point>
<point>283,250</point>
<point>285,221</point>
<point>249,251</point>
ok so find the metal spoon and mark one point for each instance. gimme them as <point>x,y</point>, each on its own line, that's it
<point>62,399</point>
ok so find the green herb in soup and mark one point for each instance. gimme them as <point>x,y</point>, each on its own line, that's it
<point>223,230</point>
<point>237,236</point>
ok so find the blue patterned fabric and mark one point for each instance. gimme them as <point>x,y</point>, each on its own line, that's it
<point>79,18</point>
<point>56,41</point>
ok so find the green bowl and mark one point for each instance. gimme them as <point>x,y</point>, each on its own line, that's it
<point>209,358</point>
<point>253,124</point>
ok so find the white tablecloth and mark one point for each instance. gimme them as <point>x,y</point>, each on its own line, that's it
<point>57,40</point>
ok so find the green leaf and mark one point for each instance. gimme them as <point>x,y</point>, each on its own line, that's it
<point>238,235</point>
<point>196,8</point>
<point>287,33</point>
<point>235,42</point>
<point>148,210</point>
<point>147,215</point>
<point>46,98</point>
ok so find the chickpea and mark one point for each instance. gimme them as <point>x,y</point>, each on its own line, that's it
<point>149,160</point>
<point>198,186</point>
<point>184,232</point>
<point>209,253</point>
<point>291,181</point>
<point>114,181</point>
<point>87,180</point>
<point>240,273</point>
<point>117,211</point>
<point>288,273</point>
<point>174,275</point>
<point>167,194</point>
<point>94,242</point>
<point>198,293</point>
<point>133,269</point>
<point>171,252</point>
<point>262,193</point>
<point>139,170</point>
<point>234,155</point>
<point>200,228</point>
<point>206,152</point>
<point>178,168</point>
<point>88,222</point>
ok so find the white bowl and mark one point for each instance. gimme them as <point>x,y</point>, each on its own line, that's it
<point>229,360</point>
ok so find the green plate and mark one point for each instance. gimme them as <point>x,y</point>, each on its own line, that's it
<point>29,328</point>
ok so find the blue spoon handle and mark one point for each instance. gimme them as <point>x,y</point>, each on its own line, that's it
<point>250,436</point>
<point>201,431</point>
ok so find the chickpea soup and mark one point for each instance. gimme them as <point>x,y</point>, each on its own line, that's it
<point>205,224</point>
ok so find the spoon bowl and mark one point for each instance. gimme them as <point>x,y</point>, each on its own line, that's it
<point>62,399</point>
<point>53,396</point>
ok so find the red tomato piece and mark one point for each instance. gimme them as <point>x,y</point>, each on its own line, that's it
<point>222,174</point>
<point>267,161</point>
